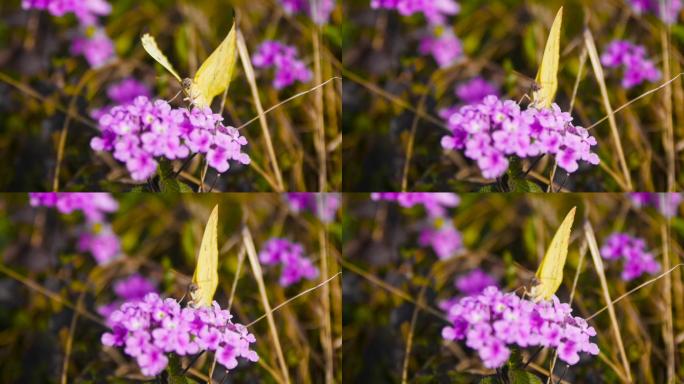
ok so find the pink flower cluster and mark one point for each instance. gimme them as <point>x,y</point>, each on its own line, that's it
<point>435,203</point>
<point>93,42</point>
<point>637,260</point>
<point>131,289</point>
<point>138,133</point>
<point>494,129</point>
<point>318,10</point>
<point>295,266</point>
<point>306,201</point>
<point>122,93</point>
<point>493,321</point>
<point>444,239</point>
<point>637,67</point>
<point>442,44</point>
<point>99,239</point>
<point>288,68</point>
<point>668,11</point>
<point>435,11</point>
<point>667,203</point>
<point>150,329</point>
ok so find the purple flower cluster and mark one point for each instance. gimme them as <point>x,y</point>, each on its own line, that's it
<point>295,266</point>
<point>637,260</point>
<point>99,239</point>
<point>318,10</point>
<point>442,44</point>
<point>444,239</point>
<point>436,204</point>
<point>435,11</point>
<point>123,93</point>
<point>288,68</point>
<point>306,201</point>
<point>444,47</point>
<point>138,133</point>
<point>474,282</point>
<point>667,203</point>
<point>490,131</point>
<point>94,206</point>
<point>153,327</point>
<point>475,90</point>
<point>637,67</point>
<point>492,321</point>
<point>131,289</point>
<point>92,42</point>
<point>668,11</point>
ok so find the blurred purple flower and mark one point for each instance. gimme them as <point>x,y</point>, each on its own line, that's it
<point>492,321</point>
<point>308,201</point>
<point>122,93</point>
<point>636,260</point>
<point>668,11</point>
<point>667,202</point>
<point>86,11</point>
<point>475,90</point>
<point>94,206</point>
<point>637,67</point>
<point>153,327</point>
<point>295,266</point>
<point>474,282</point>
<point>102,243</point>
<point>318,10</point>
<point>288,68</point>
<point>97,48</point>
<point>446,48</point>
<point>435,203</point>
<point>490,131</point>
<point>443,238</point>
<point>131,289</point>
<point>435,11</point>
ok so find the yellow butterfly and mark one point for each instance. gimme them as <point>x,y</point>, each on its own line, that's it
<point>547,77</point>
<point>213,76</point>
<point>205,278</point>
<point>550,272</point>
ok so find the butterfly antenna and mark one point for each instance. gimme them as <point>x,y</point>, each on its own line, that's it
<point>174,98</point>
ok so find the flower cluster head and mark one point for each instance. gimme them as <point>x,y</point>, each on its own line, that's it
<point>668,11</point>
<point>444,239</point>
<point>435,11</point>
<point>493,321</point>
<point>154,327</point>
<point>122,93</point>
<point>94,206</point>
<point>138,133</point>
<point>87,11</point>
<point>637,260</point>
<point>92,42</point>
<point>295,266</point>
<point>444,47</point>
<point>131,289</point>
<point>436,204</point>
<point>667,203</point>
<point>490,131</point>
<point>288,68</point>
<point>306,201</point>
<point>637,67</point>
<point>318,10</point>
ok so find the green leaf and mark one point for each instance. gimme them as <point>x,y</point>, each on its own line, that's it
<point>518,376</point>
<point>489,380</point>
<point>175,370</point>
<point>523,185</point>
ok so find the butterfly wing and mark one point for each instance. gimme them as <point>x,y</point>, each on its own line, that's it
<point>547,77</point>
<point>150,45</point>
<point>205,277</point>
<point>550,272</point>
<point>214,75</point>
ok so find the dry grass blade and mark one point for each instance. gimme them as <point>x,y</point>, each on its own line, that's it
<point>251,79</point>
<point>70,339</point>
<point>598,265</point>
<point>668,326</point>
<point>258,276</point>
<point>319,116</point>
<point>668,133</point>
<point>600,78</point>
<point>326,329</point>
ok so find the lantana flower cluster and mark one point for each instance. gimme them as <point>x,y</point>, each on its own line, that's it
<point>150,329</point>
<point>469,284</point>
<point>138,133</point>
<point>632,250</point>
<point>307,201</point>
<point>442,43</point>
<point>439,232</point>
<point>92,42</point>
<point>493,321</point>
<point>132,289</point>
<point>632,58</point>
<point>98,238</point>
<point>491,131</point>
<point>472,91</point>
<point>667,202</point>
<point>290,255</point>
<point>318,10</point>
<point>668,10</point>
<point>288,68</point>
